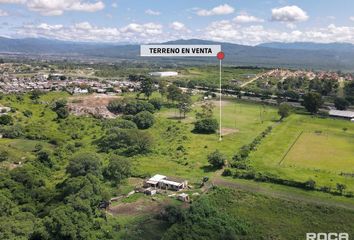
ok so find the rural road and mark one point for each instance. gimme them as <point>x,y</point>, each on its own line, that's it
<point>250,81</point>
<point>285,195</point>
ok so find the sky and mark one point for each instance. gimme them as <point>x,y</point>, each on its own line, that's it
<point>248,22</point>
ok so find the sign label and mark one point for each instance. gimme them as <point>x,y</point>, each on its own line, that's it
<point>179,50</point>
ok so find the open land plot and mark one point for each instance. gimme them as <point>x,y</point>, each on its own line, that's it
<point>273,218</point>
<point>321,153</point>
<point>330,151</point>
<point>181,153</point>
<point>92,104</point>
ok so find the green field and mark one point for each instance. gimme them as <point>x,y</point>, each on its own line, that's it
<point>327,151</point>
<point>300,148</point>
<point>270,218</point>
<point>321,153</point>
<point>192,164</point>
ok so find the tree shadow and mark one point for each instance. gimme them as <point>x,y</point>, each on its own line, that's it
<point>176,118</point>
<point>209,168</point>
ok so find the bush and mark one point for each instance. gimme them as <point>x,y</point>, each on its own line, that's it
<point>130,107</point>
<point>341,103</point>
<point>6,120</point>
<point>83,164</point>
<point>156,102</point>
<point>144,120</point>
<point>227,172</point>
<point>206,126</point>
<point>217,159</point>
<point>117,169</point>
<point>4,155</point>
<point>121,123</point>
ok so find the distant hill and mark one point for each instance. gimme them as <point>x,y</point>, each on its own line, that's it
<point>336,56</point>
<point>337,47</point>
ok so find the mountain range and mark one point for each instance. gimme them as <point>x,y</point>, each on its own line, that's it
<point>332,56</point>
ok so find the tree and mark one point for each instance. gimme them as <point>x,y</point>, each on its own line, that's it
<point>341,103</point>
<point>341,187</point>
<point>118,169</point>
<point>284,110</point>
<point>44,157</point>
<point>35,94</point>
<point>156,102</point>
<point>4,155</point>
<point>162,88</point>
<point>120,123</point>
<point>147,87</point>
<point>184,104</point>
<point>60,108</point>
<point>206,125</point>
<point>312,102</point>
<point>6,120</point>
<point>217,159</point>
<point>173,93</point>
<point>126,141</point>
<point>144,120</point>
<point>310,184</point>
<point>207,110</point>
<point>83,163</point>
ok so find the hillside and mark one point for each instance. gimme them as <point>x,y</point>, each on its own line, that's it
<point>266,55</point>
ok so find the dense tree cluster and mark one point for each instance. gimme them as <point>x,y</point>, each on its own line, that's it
<point>130,106</point>
<point>125,141</point>
<point>202,221</point>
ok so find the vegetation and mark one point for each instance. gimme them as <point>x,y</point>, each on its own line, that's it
<point>284,110</point>
<point>312,102</point>
<point>206,125</point>
<point>216,159</point>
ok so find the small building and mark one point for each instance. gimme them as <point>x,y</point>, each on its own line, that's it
<point>150,191</point>
<point>163,74</point>
<point>184,197</point>
<point>342,114</point>
<point>168,183</point>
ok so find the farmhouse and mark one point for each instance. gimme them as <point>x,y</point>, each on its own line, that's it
<point>342,114</point>
<point>163,182</point>
<point>163,74</point>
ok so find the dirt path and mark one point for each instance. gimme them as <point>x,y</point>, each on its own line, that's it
<point>288,195</point>
<point>250,81</point>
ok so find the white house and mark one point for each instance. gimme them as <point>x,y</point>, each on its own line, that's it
<point>163,182</point>
<point>163,74</point>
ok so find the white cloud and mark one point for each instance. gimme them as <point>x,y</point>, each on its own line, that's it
<point>152,12</point>
<point>57,7</point>
<point>3,13</point>
<point>245,18</point>
<point>351,18</point>
<point>12,1</point>
<point>178,26</point>
<point>255,34</point>
<point>289,14</point>
<point>219,10</point>
<point>114,5</point>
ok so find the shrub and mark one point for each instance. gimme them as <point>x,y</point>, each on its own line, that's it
<point>206,126</point>
<point>144,120</point>
<point>156,102</point>
<point>217,159</point>
<point>6,120</point>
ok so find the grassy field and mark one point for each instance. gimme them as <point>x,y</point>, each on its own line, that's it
<point>270,218</point>
<point>328,151</point>
<point>171,133</point>
<point>305,147</point>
